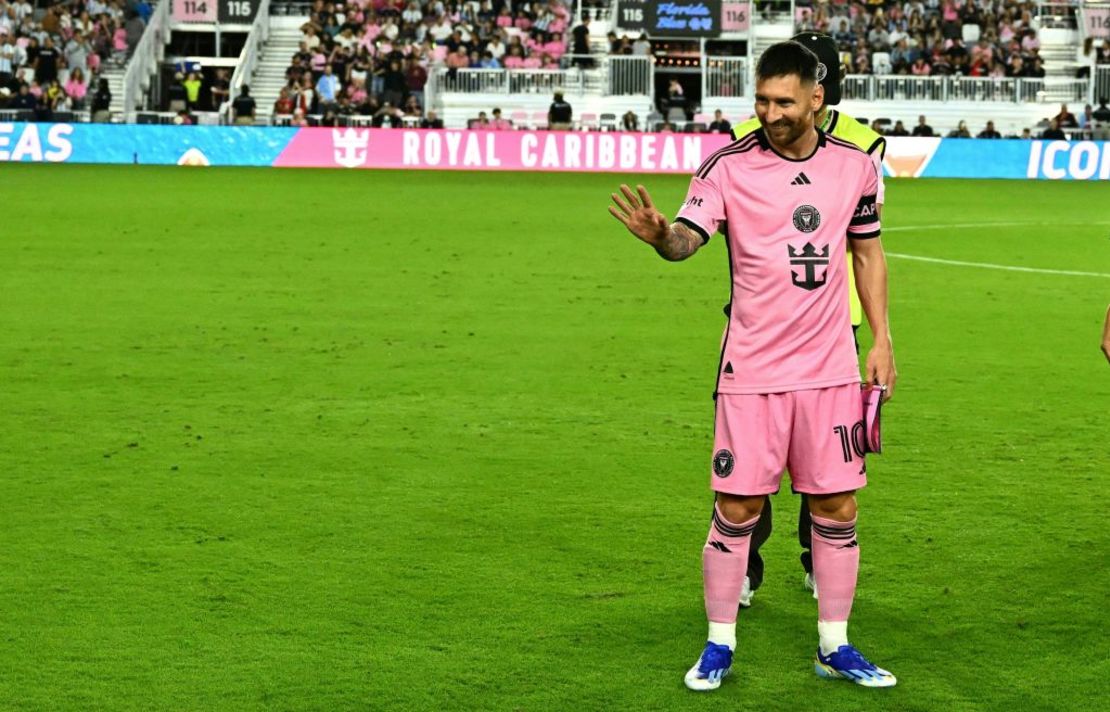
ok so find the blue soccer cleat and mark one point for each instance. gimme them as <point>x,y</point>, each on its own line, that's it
<point>714,663</point>
<point>847,663</point>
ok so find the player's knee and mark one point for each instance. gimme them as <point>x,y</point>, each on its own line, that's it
<point>737,509</point>
<point>840,507</point>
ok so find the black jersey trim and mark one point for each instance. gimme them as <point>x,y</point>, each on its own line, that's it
<point>765,143</point>
<point>695,227</point>
<point>864,235</point>
<point>845,144</point>
<point>742,146</point>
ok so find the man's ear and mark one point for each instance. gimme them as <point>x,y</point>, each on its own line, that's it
<point>818,97</point>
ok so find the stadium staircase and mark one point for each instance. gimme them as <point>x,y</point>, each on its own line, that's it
<point>269,74</point>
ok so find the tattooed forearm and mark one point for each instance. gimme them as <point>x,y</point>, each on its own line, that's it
<point>680,243</point>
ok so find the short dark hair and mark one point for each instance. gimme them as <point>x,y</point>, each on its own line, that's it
<point>786,58</point>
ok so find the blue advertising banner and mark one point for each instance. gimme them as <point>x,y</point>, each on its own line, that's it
<point>905,157</point>
<point>1000,158</point>
<point>131,143</point>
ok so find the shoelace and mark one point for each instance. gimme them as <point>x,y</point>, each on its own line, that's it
<point>858,661</point>
<point>716,656</point>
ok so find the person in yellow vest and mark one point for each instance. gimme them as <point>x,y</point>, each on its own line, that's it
<point>834,123</point>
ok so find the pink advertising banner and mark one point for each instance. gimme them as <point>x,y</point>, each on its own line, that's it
<point>499,150</point>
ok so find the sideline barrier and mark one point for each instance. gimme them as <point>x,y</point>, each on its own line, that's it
<point>509,150</point>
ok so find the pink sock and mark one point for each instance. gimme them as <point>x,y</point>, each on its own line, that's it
<point>835,566</point>
<point>724,563</point>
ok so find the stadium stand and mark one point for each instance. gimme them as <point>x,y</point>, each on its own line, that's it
<point>392,62</point>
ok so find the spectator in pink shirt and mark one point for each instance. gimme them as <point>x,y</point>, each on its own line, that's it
<point>1030,43</point>
<point>920,68</point>
<point>532,62</point>
<point>515,58</point>
<point>522,22</point>
<point>75,88</point>
<point>458,59</point>
<point>498,123</point>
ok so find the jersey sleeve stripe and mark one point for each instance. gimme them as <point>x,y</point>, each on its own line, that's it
<point>863,235</point>
<point>695,227</point>
<point>842,142</point>
<point>745,142</point>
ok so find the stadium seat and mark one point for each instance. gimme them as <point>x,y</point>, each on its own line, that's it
<point>970,33</point>
<point>607,122</point>
<point>282,119</point>
<point>880,62</point>
<point>864,121</point>
<point>539,119</point>
<point>676,115</point>
<point>703,119</point>
<point>696,127</point>
<point>520,119</point>
<point>587,121</point>
<point>65,117</point>
<point>146,117</point>
<point>653,120</point>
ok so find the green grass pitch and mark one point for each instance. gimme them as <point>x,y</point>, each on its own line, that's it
<point>440,441</point>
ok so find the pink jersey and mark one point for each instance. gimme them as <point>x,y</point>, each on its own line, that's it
<point>786,222</point>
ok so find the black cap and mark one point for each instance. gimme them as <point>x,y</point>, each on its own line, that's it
<point>825,48</point>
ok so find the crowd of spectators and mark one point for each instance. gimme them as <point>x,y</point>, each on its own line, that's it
<point>975,38</point>
<point>1092,122</point>
<point>52,59</point>
<point>373,58</point>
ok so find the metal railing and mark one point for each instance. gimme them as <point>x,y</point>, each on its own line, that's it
<point>629,75</point>
<point>248,58</point>
<point>147,56</point>
<point>958,88</point>
<point>1100,84</point>
<point>508,81</point>
<point>724,76</point>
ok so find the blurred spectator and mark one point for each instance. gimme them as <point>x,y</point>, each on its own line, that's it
<point>101,102</point>
<point>244,106</point>
<point>23,100</point>
<point>327,88</point>
<point>498,123</point>
<point>630,122</point>
<point>989,132</point>
<point>7,55</point>
<point>676,95</point>
<point>1053,132</point>
<point>720,124</point>
<point>75,89</point>
<point>299,118</point>
<point>960,131</point>
<point>560,115</point>
<point>46,62</point>
<point>412,108</point>
<point>178,98</point>
<point>642,46</point>
<point>416,77</point>
<point>394,84</point>
<point>1087,118</point>
<point>922,128</point>
<point>1026,134</point>
<point>220,90</point>
<point>898,130</point>
<point>581,46</point>
<point>284,103</point>
<point>431,121</point>
<point>877,127</point>
<point>133,31</point>
<point>1102,113</point>
<point>192,86</point>
<point>183,118</point>
<point>1065,119</point>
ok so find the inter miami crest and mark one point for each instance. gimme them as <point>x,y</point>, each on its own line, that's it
<point>806,218</point>
<point>722,463</point>
<point>809,259</point>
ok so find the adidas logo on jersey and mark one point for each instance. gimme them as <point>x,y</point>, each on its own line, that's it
<point>801,179</point>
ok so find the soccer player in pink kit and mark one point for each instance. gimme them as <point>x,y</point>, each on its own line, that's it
<point>788,388</point>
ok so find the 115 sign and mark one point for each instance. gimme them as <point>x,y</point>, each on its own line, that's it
<point>232,12</point>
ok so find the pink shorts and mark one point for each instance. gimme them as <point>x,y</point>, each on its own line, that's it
<point>816,434</point>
